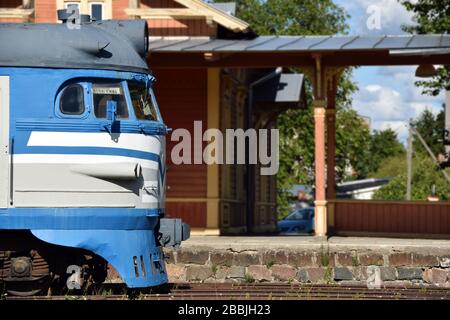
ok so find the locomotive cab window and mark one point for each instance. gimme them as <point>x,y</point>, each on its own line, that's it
<point>71,101</point>
<point>102,93</point>
<point>144,104</point>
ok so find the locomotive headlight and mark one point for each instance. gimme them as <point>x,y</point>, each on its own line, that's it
<point>135,31</point>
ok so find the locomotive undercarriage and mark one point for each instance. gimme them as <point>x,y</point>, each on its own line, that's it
<point>29,266</point>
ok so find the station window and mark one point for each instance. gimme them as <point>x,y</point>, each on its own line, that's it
<point>143,103</point>
<point>72,5</point>
<point>72,100</point>
<point>96,11</point>
<point>105,92</point>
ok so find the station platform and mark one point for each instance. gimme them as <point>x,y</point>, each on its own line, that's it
<point>239,243</point>
<point>310,259</point>
<point>279,242</point>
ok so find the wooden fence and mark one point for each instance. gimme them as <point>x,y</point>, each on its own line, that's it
<point>389,218</point>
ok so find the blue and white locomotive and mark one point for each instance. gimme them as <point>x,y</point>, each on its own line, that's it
<point>82,159</point>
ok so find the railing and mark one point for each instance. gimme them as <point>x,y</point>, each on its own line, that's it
<point>392,218</point>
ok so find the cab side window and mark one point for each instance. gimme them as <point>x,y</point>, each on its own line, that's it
<point>143,104</point>
<point>102,93</point>
<point>71,101</point>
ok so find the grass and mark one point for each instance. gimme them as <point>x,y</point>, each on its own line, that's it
<point>248,278</point>
<point>324,256</point>
<point>355,261</point>
<point>328,276</point>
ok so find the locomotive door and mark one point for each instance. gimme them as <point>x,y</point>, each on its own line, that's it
<point>4,141</point>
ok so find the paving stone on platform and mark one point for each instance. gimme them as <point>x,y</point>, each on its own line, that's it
<point>192,256</point>
<point>236,272</point>
<point>342,273</point>
<point>259,272</point>
<point>371,259</point>
<point>360,273</point>
<point>421,260</point>
<point>316,275</point>
<point>435,276</point>
<point>221,258</point>
<point>301,259</point>
<point>388,273</point>
<point>400,259</point>
<point>175,272</point>
<point>409,273</point>
<point>245,259</point>
<point>345,259</point>
<point>272,257</point>
<point>198,273</point>
<point>222,272</point>
<point>302,275</point>
<point>283,272</point>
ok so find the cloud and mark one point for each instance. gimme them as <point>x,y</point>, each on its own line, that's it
<point>380,103</point>
<point>405,77</point>
<point>389,108</point>
<point>399,127</point>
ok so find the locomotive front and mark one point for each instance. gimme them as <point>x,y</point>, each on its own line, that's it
<point>82,181</point>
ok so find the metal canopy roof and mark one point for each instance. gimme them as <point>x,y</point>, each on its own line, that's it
<point>300,43</point>
<point>289,51</point>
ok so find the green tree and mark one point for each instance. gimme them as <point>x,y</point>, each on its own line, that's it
<point>425,171</point>
<point>384,144</point>
<point>390,167</point>
<point>431,16</point>
<point>425,174</point>
<point>352,139</point>
<point>292,17</point>
<point>431,129</point>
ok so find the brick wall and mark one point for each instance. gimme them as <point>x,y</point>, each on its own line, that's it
<point>118,9</point>
<point>179,27</point>
<point>349,267</point>
<point>45,11</point>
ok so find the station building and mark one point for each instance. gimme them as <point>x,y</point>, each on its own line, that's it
<point>205,60</point>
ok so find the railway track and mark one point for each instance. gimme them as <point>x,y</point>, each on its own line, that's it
<point>258,291</point>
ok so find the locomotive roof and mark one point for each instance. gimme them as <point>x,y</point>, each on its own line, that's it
<point>110,45</point>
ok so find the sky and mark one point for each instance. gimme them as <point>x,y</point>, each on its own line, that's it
<point>387,95</point>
